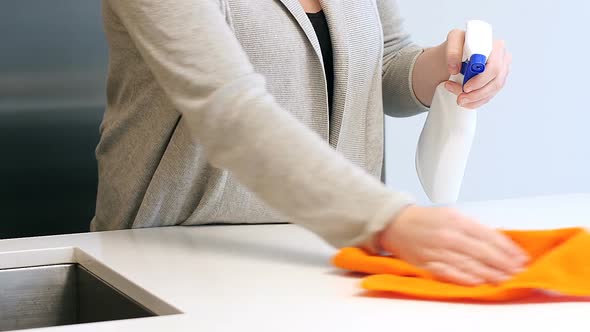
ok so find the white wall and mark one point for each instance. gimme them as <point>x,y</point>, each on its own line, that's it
<point>533,138</point>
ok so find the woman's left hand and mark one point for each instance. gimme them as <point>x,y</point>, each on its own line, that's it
<point>483,87</point>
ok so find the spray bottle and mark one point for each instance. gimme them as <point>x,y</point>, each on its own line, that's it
<point>447,135</point>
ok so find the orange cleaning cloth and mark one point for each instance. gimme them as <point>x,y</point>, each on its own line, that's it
<point>559,262</point>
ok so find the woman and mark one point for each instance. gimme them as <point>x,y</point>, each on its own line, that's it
<point>257,111</point>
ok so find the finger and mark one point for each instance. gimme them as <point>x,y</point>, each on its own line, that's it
<point>497,239</point>
<point>481,96</point>
<point>508,61</point>
<point>494,66</point>
<point>477,104</point>
<point>485,93</point>
<point>475,268</point>
<point>480,248</point>
<point>454,87</point>
<point>508,57</point>
<point>488,91</point>
<point>455,41</point>
<point>448,273</point>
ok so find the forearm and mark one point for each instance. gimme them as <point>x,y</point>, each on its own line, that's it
<point>429,71</point>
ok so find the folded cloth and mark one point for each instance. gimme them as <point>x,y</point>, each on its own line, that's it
<point>560,263</point>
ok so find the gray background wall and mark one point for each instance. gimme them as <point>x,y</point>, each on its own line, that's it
<point>533,138</point>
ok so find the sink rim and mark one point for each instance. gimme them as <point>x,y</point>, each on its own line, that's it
<point>42,257</point>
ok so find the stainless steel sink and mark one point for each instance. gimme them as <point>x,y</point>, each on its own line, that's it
<point>61,294</point>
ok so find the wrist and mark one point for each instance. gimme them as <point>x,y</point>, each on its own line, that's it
<point>430,70</point>
<point>383,238</point>
<point>439,67</point>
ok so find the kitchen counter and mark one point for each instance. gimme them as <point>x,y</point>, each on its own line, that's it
<point>279,278</point>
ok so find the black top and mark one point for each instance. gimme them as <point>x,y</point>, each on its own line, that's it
<point>320,25</point>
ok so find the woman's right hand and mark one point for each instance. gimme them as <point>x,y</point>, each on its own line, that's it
<point>452,247</point>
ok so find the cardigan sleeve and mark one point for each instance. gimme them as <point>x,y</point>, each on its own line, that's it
<point>399,57</point>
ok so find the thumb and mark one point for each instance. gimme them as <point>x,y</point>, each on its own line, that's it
<point>454,51</point>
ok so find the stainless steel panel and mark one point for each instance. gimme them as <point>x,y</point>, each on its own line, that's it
<point>60,295</point>
<point>37,297</point>
<point>97,301</point>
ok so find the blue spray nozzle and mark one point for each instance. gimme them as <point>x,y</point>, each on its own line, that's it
<point>473,67</point>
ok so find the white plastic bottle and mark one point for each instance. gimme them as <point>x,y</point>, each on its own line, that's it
<point>447,136</point>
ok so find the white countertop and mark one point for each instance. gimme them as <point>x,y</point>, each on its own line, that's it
<point>279,278</point>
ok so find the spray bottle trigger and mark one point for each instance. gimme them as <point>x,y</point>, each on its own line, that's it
<point>473,67</point>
